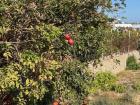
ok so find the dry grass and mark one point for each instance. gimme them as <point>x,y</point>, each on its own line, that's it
<point>126,77</point>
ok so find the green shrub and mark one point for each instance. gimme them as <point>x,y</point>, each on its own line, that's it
<point>136,86</point>
<point>119,88</point>
<point>22,81</point>
<point>105,80</point>
<point>131,63</point>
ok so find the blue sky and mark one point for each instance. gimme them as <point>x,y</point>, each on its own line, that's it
<point>132,11</point>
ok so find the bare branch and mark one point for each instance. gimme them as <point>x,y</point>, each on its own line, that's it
<point>5,42</point>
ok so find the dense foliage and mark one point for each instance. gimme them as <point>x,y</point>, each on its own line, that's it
<point>36,63</point>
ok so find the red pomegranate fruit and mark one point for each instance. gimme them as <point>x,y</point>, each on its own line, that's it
<point>55,103</point>
<point>71,42</point>
<point>67,37</point>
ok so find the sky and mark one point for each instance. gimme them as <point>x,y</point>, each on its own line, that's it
<point>132,11</point>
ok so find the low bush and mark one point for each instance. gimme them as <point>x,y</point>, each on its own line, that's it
<point>136,86</point>
<point>131,63</point>
<point>105,80</point>
<point>119,88</point>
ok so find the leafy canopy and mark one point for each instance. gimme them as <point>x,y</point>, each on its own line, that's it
<point>33,50</point>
